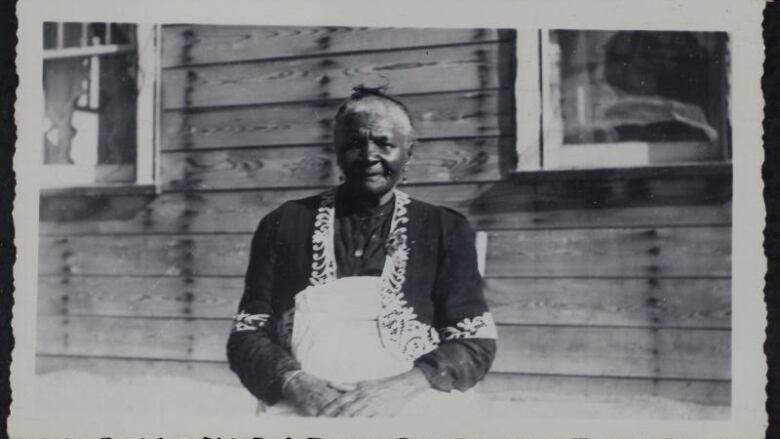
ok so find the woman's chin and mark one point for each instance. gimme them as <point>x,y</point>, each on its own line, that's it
<point>376,186</point>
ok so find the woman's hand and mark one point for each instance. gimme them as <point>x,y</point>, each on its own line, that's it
<point>382,397</point>
<point>309,393</point>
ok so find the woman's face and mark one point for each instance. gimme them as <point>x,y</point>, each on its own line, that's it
<point>373,144</point>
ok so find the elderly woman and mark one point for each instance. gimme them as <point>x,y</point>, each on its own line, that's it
<point>360,300</point>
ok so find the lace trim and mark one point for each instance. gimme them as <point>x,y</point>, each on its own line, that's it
<point>399,329</point>
<point>323,265</point>
<point>476,327</point>
<point>243,321</point>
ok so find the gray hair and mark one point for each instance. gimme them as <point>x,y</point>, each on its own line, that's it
<point>361,94</point>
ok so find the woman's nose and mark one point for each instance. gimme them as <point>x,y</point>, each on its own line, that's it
<point>368,149</point>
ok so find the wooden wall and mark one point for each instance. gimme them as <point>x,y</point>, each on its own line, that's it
<point>606,284</point>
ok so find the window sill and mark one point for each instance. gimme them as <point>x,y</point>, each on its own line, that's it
<point>688,184</point>
<point>102,190</point>
<point>95,203</point>
<point>706,170</point>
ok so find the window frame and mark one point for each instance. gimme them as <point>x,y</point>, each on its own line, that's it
<point>538,105</point>
<point>146,43</point>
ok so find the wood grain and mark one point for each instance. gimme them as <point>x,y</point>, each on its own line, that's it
<point>172,213</point>
<point>442,115</point>
<point>434,161</point>
<point>179,339</point>
<point>169,296</point>
<point>625,352</point>
<point>647,302</point>
<point>524,387</point>
<point>187,45</point>
<point>653,252</point>
<point>498,386</point>
<point>629,352</point>
<point>216,372</point>
<point>624,302</point>
<point>699,251</point>
<point>445,69</point>
<point>462,160</point>
<point>501,205</point>
<point>158,255</point>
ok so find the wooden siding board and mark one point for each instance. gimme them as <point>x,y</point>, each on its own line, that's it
<point>445,115</point>
<point>240,211</point>
<point>499,386</point>
<point>629,352</point>
<point>445,69</point>
<point>189,45</point>
<point>625,352</point>
<point>438,161</point>
<point>177,339</point>
<point>194,212</point>
<point>701,251</point>
<point>434,161</point>
<point>191,297</point>
<point>524,387</point>
<point>623,302</point>
<point>652,252</point>
<point>586,302</point>
<point>162,255</point>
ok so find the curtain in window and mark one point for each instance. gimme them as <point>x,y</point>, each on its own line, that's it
<point>63,84</point>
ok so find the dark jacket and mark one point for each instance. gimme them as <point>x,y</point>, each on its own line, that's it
<point>434,311</point>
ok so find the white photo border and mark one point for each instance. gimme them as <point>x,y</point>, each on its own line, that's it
<point>741,19</point>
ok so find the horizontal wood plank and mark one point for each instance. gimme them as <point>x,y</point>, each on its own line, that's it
<point>169,296</point>
<point>441,161</point>
<point>168,213</point>
<point>217,372</point>
<point>163,255</point>
<point>445,69</point>
<point>499,386</point>
<point>625,302</point>
<point>434,161</point>
<point>445,115</point>
<point>700,251</point>
<point>502,205</point>
<point>525,387</point>
<point>187,45</point>
<point>656,252</point>
<point>171,339</point>
<point>625,352</point>
<point>628,352</point>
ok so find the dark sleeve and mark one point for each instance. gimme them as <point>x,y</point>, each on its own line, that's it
<point>466,327</point>
<point>253,349</point>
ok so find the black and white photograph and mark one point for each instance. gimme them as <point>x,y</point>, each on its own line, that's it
<point>281,223</point>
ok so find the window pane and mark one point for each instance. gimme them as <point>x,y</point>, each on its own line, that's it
<point>121,33</point>
<point>641,86</point>
<point>49,35</point>
<point>118,92</point>
<point>97,34</point>
<point>73,34</point>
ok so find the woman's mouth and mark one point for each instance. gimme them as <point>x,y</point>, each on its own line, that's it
<point>371,171</point>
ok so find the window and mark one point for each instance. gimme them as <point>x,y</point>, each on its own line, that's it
<point>99,91</point>
<point>627,98</point>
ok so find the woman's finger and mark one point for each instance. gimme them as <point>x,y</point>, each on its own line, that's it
<point>366,410</point>
<point>334,406</point>
<point>342,387</point>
